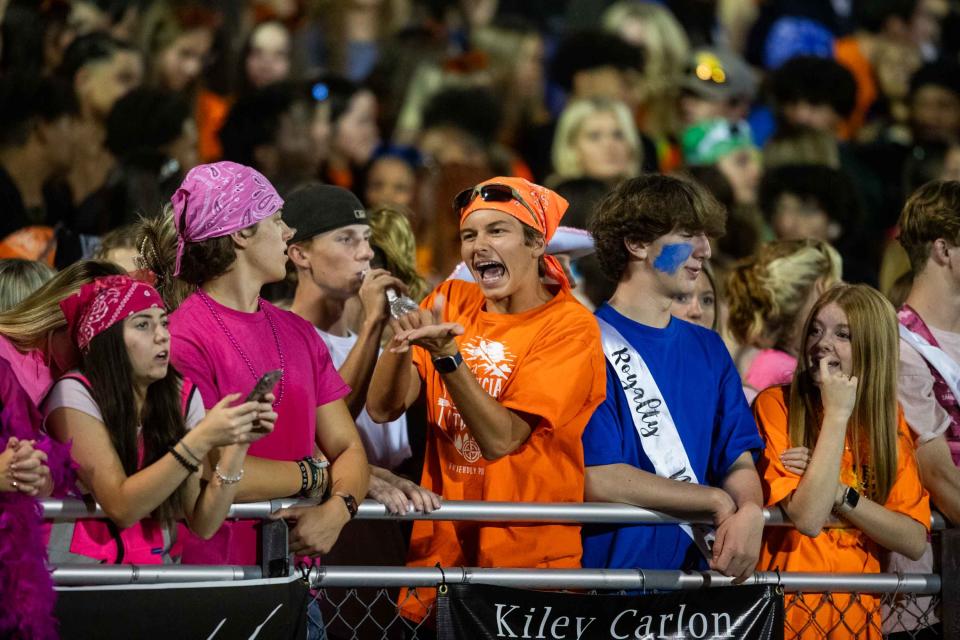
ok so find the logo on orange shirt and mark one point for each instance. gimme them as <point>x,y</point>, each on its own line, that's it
<point>492,363</point>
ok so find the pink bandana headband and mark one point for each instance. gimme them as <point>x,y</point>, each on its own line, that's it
<point>104,302</point>
<point>217,199</point>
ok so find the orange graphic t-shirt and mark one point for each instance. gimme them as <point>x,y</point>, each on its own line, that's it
<point>547,363</point>
<point>809,615</point>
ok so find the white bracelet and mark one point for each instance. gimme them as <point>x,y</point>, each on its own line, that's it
<point>227,479</point>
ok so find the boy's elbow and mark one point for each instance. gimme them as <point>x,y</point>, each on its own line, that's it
<point>810,527</point>
<point>382,415</point>
<point>495,450</point>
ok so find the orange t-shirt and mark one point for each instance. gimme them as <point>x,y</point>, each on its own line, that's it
<point>211,112</point>
<point>847,52</point>
<point>546,362</point>
<point>834,550</point>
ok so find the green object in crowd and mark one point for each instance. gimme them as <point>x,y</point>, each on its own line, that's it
<point>706,142</point>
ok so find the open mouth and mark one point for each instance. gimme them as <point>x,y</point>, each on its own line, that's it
<point>163,357</point>
<point>490,272</point>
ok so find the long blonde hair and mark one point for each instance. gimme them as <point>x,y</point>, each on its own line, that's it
<point>391,233</point>
<point>767,291</point>
<point>30,324</point>
<point>666,55</point>
<point>565,161</point>
<point>872,429</point>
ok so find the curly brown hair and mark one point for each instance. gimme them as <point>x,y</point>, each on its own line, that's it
<point>649,206</point>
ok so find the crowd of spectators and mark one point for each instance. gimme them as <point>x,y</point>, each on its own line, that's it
<point>702,258</point>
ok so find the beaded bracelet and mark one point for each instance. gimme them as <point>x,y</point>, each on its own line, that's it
<point>186,464</point>
<point>227,479</point>
<point>190,452</point>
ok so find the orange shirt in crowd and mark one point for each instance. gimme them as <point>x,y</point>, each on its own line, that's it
<point>847,52</point>
<point>834,550</point>
<point>211,113</point>
<point>546,363</point>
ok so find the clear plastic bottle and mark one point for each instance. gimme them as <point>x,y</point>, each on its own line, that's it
<point>400,304</point>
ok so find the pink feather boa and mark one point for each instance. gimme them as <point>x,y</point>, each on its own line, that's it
<point>26,589</point>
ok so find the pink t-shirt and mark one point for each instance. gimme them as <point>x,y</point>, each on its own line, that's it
<point>202,351</point>
<point>769,368</point>
<point>32,372</point>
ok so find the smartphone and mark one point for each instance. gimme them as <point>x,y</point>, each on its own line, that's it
<point>264,385</point>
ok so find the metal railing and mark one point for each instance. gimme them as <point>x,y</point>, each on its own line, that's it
<point>362,602</point>
<point>465,510</point>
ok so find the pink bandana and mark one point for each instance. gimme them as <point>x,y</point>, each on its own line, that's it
<point>217,199</point>
<point>104,302</point>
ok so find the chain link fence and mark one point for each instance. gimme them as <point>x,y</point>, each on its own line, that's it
<point>370,613</point>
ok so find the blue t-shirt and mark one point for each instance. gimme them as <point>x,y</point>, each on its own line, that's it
<point>702,389</point>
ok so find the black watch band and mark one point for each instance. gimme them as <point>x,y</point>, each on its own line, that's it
<point>351,503</point>
<point>448,364</point>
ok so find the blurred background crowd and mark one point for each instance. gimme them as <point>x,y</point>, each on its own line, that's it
<point>807,119</point>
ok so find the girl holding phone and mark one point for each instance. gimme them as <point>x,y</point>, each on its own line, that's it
<point>139,433</point>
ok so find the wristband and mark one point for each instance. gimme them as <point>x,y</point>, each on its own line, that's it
<point>316,475</point>
<point>351,504</point>
<point>186,464</point>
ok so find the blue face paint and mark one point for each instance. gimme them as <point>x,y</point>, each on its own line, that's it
<point>672,256</point>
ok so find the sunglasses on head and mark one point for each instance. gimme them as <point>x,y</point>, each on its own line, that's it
<point>493,193</point>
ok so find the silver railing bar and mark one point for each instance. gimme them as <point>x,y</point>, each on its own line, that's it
<point>627,579</point>
<point>615,579</point>
<point>451,510</point>
<point>68,575</point>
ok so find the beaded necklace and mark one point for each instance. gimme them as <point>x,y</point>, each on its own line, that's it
<point>236,345</point>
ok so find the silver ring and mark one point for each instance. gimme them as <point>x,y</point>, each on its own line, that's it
<point>13,483</point>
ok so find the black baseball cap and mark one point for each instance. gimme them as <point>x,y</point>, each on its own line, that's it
<point>317,208</point>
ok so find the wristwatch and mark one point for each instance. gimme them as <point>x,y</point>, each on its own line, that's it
<point>849,500</point>
<point>448,364</point>
<point>351,503</point>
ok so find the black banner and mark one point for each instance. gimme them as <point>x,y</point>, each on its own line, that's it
<point>254,609</point>
<point>485,612</point>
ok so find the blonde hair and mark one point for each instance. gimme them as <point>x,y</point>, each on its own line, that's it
<point>565,162</point>
<point>29,324</point>
<point>666,55</point>
<point>872,429</point>
<point>391,233</point>
<point>19,278</point>
<point>766,291</point>
<point>156,244</point>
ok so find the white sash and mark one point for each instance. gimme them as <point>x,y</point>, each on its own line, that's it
<point>652,420</point>
<point>936,357</point>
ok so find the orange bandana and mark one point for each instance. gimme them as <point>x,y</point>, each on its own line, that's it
<point>546,205</point>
